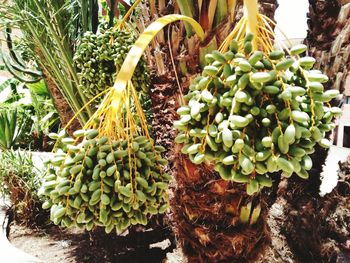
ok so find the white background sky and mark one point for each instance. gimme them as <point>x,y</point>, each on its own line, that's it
<point>291,18</point>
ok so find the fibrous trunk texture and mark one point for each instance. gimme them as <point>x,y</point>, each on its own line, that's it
<point>205,214</point>
<point>64,110</point>
<point>329,39</point>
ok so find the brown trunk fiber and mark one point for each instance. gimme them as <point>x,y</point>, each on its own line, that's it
<point>205,213</point>
<point>301,209</point>
<point>64,110</point>
<point>329,39</point>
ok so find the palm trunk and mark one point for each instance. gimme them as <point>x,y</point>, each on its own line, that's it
<point>205,209</point>
<point>115,6</point>
<point>328,39</point>
<point>64,110</point>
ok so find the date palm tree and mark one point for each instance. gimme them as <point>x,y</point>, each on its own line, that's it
<point>205,210</point>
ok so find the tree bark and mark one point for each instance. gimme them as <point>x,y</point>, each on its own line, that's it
<point>205,215</point>
<point>115,8</point>
<point>329,39</point>
<point>308,228</point>
<point>64,110</point>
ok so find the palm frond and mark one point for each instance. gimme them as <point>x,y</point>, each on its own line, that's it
<point>52,28</point>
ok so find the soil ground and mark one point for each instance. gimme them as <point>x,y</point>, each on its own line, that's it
<point>55,245</point>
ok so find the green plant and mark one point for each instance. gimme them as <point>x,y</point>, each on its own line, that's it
<point>45,117</point>
<point>87,11</point>
<point>51,29</point>
<point>19,60</point>
<point>29,91</point>
<point>20,181</point>
<point>8,90</point>
<point>24,116</point>
<point>10,128</point>
<point>34,111</point>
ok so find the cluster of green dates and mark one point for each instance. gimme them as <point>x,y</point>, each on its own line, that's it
<point>103,182</point>
<point>252,114</point>
<point>99,58</point>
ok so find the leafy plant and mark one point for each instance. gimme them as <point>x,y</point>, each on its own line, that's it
<point>19,181</point>
<point>45,116</point>
<point>10,128</point>
<point>8,90</point>
<point>35,113</point>
<point>19,59</point>
<point>52,28</point>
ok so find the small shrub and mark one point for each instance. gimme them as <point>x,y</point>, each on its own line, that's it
<point>19,181</point>
<point>10,128</point>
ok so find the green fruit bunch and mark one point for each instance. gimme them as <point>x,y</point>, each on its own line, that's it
<point>253,114</point>
<point>104,182</point>
<point>99,58</point>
